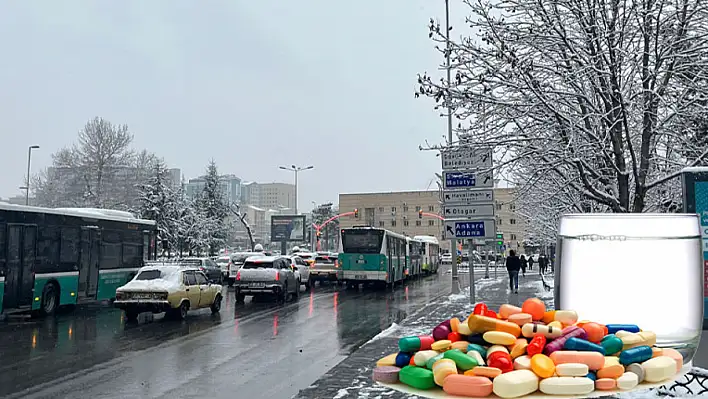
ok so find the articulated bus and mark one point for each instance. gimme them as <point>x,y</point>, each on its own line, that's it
<point>372,255</point>
<point>431,254</point>
<point>55,257</point>
<point>414,258</point>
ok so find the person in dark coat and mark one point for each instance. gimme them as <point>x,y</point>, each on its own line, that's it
<point>524,263</point>
<point>513,264</point>
<point>530,262</point>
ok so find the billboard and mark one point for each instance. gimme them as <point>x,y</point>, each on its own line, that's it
<point>695,200</point>
<point>287,228</point>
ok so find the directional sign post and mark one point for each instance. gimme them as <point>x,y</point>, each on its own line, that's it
<point>463,210</point>
<point>473,228</point>
<point>466,158</point>
<point>468,197</point>
<point>452,180</point>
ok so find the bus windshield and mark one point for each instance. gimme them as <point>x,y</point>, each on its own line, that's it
<point>362,241</point>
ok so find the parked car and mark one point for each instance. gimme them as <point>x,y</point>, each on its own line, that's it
<point>266,275</point>
<point>446,258</point>
<point>325,268</point>
<point>308,257</point>
<point>237,261</point>
<point>171,288</point>
<point>303,270</point>
<point>208,266</point>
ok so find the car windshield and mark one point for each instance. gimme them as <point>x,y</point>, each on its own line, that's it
<point>258,264</point>
<point>325,259</point>
<point>222,261</point>
<point>149,275</point>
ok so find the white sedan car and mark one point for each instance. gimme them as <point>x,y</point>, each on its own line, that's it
<point>302,268</point>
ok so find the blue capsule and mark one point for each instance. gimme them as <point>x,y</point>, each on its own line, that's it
<point>613,328</point>
<point>577,344</point>
<point>638,354</point>
<point>403,359</point>
<point>591,375</point>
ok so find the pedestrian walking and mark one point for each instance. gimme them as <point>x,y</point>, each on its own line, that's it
<point>513,264</point>
<point>524,263</point>
<point>530,262</point>
<point>542,263</point>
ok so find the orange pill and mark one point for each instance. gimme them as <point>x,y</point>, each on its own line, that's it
<point>507,310</point>
<point>548,316</point>
<point>605,384</point>
<point>595,331</point>
<point>483,371</point>
<point>676,355</point>
<point>519,348</point>
<point>614,371</point>
<point>481,324</point>
<point>468,386</point>
<point>535,307</point>
<point>454,324</point>
<point>656,352</point>
<point>520,318</point>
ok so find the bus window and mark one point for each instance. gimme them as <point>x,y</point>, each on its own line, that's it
<point>2,249</point>
<point>131,255</point>
<point>362,241</point>
<point>48,249</point>
<point>69,252</point>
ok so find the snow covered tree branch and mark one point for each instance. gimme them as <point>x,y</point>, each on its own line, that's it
<point>608,98</point>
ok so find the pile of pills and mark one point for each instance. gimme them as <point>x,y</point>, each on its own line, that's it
<point>521,350</point>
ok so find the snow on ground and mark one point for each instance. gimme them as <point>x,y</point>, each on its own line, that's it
<point>385,333</point>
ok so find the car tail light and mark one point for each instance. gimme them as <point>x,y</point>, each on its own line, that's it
<point>336,264</point>
<point>238,275</point>
<point>277,276</point>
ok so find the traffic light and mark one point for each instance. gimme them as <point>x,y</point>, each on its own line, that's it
<point>420,214</point>
<point>500,239</point>
<point>356,212</point>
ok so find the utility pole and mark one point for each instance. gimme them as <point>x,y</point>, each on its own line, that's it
<point>296,170</point>
<point>29,166</point>
<point>453,241</point>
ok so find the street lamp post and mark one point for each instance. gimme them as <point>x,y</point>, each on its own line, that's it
<point>296,169</point>
<point>29,165</point>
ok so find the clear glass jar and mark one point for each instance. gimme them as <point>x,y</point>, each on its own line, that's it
<point>643,269</point>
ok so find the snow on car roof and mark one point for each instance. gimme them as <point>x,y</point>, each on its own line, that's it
<point>261,258</point>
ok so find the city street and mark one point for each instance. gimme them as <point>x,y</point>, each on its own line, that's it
<point>258,349</point>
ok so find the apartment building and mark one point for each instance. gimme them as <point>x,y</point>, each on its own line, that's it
<point>230,187</point>
<point>399,212</point>
<point>269,195</point>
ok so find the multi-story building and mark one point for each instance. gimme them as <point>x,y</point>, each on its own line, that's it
<point>230,187</point>
<point>269,195</point>
<point>399,212</point>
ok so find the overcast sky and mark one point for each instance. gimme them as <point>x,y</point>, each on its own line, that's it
<point>252,84</point>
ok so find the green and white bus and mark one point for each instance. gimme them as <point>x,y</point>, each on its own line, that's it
<point>431,254</point>
<point>414,258</point>
<point>55,257</point>
<point>372,255</point>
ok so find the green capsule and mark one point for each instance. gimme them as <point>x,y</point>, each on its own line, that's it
<point>409,344</point>
<point>612,344</point>
<point>462,361</point>
<point>417,377</point>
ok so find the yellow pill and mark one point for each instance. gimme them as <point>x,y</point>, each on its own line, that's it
<point>499,338</point>
<point>460,345</point>
<point>556,324</point>
<point>519,348</point>
<point>389,360</point>
<point>611,361</point>
<point>542,366</point>
<point>442,345</point>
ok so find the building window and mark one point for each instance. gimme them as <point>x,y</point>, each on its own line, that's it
<point>499,222</point>
<point>417,222</point>
<point>405,223</point>
<point>512,207</point>
<point>499,206</point>
<point>513,237</point>
<point>405,208</point>
<point>431,223</point>
<point>431,208</point>
<point>393,209</point>
<point>381,209</point>
<point>381,223</point>
<point>512,221</point>
<point>418,208</point>
<point>393,223</point>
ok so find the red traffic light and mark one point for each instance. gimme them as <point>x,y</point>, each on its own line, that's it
<point>356,213</point>
<point>420,214</point>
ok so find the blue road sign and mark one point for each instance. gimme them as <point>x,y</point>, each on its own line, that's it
<point>480,228</point>
<point>467,180</point>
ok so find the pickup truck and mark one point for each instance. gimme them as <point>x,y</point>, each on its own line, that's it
<point>325,268</point>
<point>266,275</point>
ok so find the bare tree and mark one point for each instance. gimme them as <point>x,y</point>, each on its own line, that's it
<point>235,209</point>
<point>605,96</point>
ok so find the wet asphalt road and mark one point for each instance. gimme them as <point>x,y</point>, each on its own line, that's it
<point>253,350</point>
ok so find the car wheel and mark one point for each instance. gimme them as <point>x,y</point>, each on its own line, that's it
<point>296,293</point>
<point>231,282</point>
<point>240,298</point>
<point>182,310</point>
<point>216,306</point>
<point>50,299</point>
<point>309,284</point>
<point>283,294</point>
<point>131,314</point>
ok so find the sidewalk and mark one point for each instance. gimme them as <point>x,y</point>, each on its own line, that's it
<point>352,377</point>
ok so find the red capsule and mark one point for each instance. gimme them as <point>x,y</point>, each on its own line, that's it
<point>536,345</point>
<point>501,360</point>
<point>491,313</point>
<point>454,337</point>
<point>480,309</point>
